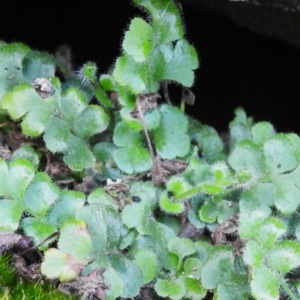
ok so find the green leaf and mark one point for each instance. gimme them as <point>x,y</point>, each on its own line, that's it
<point>72,103</point>
<point>182,247</point>
<point>107,82</point>
<point>57,134</point>
<point>264,284</point>
<point>94,217</point>
<point>270,231</point>
<point>80,248</point>
<point>28,153</point>
<point>132,123</point>
<point>91,121</point>
<point>287,194</point>
<point>65,207</point>
<point>194,289</point>
<point>147,193</point>
<point>130,273</point>
<point>239,132</point>
<point>24,99</point>
<point>146,260</point>
<point>133,158</point>
<point>177,185</point>
<point>137,215</point>
<point>170,206</point>
<point>280,155</point>
<point>260,197</point>
<point>247,155</point>
<point>172,128</point>
<point>152,119</point>
<point>40,195</point>
<point>124,135</point>
<point>10,215</point>
<point>173,289</point>
<point>58,264</point>
<point>11,57</point>
<point>208,212</point>
<point>137,41</point>
<point>192,267</point>
<point>128,239</point>
<point>254,254</point>
<point>126,98</point>
<point>250,222</point>
<point>4,177</point>
<point>295,140</point>
<point>217,210</point>
<point>180,68</point>
<point>103,151</point>
<point>218,268</point>
<point>195,220</point>
<point>166,20</point>
<point>78,155</point>
<point>114,228</point>
<point>208,140</point>
<point>261,132</point>
<point>285,256</point>
<point>38,65</point>
<point>39,230</point>
<point>21,172</point>
<point>99,196</point>
<point>113,279</point>
<point>131,75</point>
<point>156,241</point>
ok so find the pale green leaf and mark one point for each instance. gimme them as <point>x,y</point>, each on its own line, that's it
<point>91,121</point>
<point>39,231</point>
<point>166,20</point>
<point>182,247</point>
<point>65,207</point>
<point>28,153</point>
<point>40,195</point>
<point>130,273</point>
<point>78,155</point>
<point>112,278</point>
<point>80,247</point>
<point>58,264</point>
<point>57,134</point>
<point>131,74</point>
<point>10,215</point>
<point>264,284</point>
<point>285,256</point>
<point>173,289</point>
<point>36,65</point>
<point>72,103</point>
<point>146,260</point>
<point>261,132</point>
<point>172,129</point>
<point>133,158</point>
<point>137,41</point>
<point>254,254</point>
<point>11,57</point>
<point>22,100</point>
<point>280,155</point>
<point>218,268</point>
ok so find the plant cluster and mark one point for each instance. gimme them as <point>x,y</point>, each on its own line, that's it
<point>174,211</point>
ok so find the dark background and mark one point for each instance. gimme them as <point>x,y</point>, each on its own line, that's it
<point>238,67</point>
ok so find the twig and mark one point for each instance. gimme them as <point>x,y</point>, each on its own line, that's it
<point>145,128</point>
